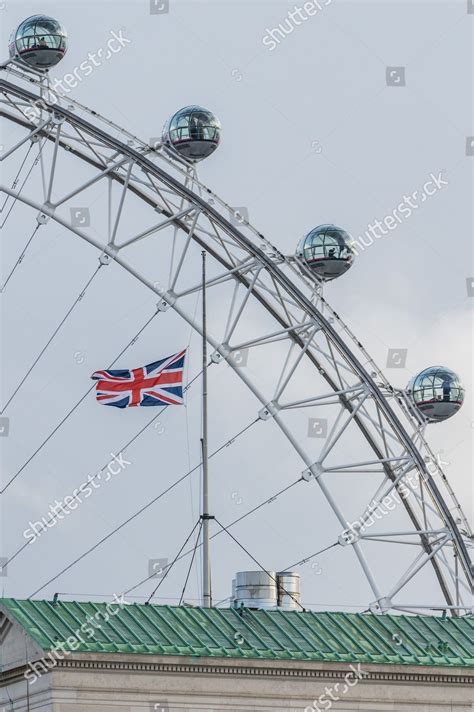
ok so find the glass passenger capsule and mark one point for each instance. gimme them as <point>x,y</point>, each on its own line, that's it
<point>326,251</point>
<point>437,393</point>
<point>39,41</point>
<point>193,132</point>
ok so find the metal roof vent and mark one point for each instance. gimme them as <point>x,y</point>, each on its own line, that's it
<point>255,589</point>
<point>266,590</point>
<point>289,593</point>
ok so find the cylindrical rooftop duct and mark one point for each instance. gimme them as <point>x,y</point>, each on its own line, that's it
<point>256,589</point>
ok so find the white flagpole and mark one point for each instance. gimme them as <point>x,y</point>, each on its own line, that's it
<point>205,517</point>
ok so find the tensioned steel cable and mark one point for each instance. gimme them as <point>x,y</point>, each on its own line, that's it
<point>84,485</point>
<point>63,420</point>
<point>191,563</point>
<point>315,604</point>
<point>14,184</point>
<point>392,417</point>
<point>35,163</point>
<point>54,518</point>
<point>20,259</point>
<point>172,564</point>
<point>23,253</point>
<point>61,323</point>
<point>262,568</point>
<point>142,509</point>
<point>98,474</point>
<point>308,558</point>
<point>269,500</point>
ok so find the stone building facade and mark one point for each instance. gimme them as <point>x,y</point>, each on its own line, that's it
<point>69,657</point>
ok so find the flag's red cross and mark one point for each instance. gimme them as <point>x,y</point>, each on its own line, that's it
<point>138,383</point>
<point>158,383</point>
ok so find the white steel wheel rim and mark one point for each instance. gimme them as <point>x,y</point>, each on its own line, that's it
<point>383,416</point>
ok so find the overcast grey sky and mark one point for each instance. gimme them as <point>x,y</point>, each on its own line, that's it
<point>313,132</point>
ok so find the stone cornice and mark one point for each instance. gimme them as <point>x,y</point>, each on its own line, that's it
<point>381,674</point>
<point>260,671</point>
<point>11,676</point>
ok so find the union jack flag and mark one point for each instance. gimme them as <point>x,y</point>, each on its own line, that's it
<point>159,383</point>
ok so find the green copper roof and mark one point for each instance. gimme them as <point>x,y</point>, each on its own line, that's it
<point>269,635</point>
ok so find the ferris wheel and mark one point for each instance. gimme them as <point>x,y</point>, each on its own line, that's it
<point>311,379</point>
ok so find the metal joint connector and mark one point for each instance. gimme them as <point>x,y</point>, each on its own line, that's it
<point>313,472</point>
<point>166,301</point>
<point>42,218</point>
<point>220,354</point>
<point>270,410</point>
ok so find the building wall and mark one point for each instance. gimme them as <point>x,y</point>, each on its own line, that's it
<point>15,645</point>
<point>123,683</point>
<point>145,683</point>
